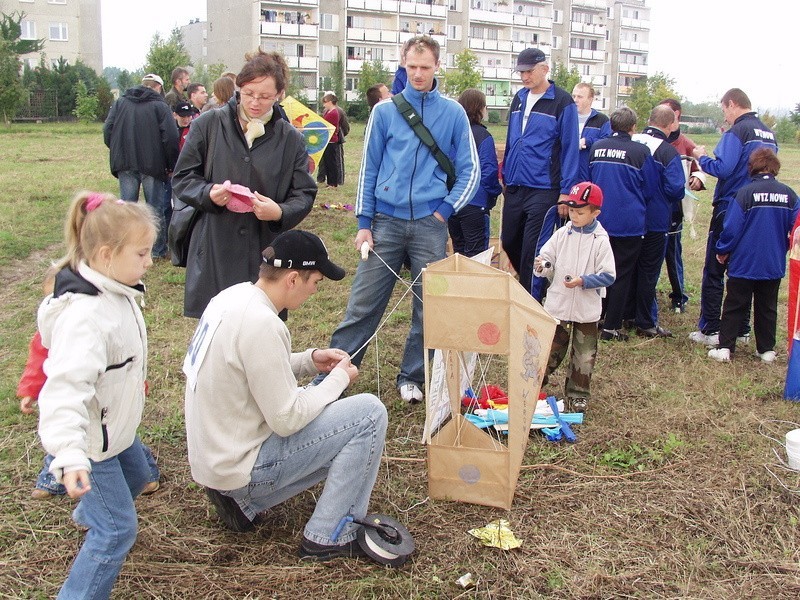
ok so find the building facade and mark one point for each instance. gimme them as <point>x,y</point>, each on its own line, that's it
<point>605,40</point>
<point>70,29</point>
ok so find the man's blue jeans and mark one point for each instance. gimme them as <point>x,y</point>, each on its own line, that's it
<point>342,446</point>
<point>107,510</point>
<point>154,195</point>
<point>421,242</point>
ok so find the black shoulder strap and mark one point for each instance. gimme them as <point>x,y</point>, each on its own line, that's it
<point>415,122</point>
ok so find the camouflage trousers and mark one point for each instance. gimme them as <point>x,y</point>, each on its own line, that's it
<point>582,356</point>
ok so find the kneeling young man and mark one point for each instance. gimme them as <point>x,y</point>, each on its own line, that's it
<point>254,437</point>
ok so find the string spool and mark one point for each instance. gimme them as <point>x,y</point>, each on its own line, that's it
<point>385,540</point>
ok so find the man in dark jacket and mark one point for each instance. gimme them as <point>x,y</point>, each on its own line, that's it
<point>541,159</point>
<point>142,135</point>
<point>180,83</point>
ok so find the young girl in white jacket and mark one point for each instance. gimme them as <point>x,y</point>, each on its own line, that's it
<point>91,403</point>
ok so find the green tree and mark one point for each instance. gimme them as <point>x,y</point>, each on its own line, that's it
<point>565,78</point>
<point>465,75</point>
<point>207,74</point>
<point>795,115</point>
<point>11,46</point>
<point>372,72</point>
<point>127,79</point>
<point>785,130</point>
<point>86,105</point>
<point>166,54</point>
<point>61,82</point>
<point>649,91</point>
<point>336,75</point>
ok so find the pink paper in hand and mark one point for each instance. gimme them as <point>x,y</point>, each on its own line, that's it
<point>241,198</point>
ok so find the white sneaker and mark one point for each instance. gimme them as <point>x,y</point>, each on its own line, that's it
<point>743,339</point>
<point>767,357</point>
<point>701,338</point>
<point>411,393</point>
<point>720,354</point>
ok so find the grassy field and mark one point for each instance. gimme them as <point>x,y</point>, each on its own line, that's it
<point>667,493</point>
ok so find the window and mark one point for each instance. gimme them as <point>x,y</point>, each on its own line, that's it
<point>58,32</point>
<point>454,32</point>
<point>453,5</point>
<point>327,53</point>
<point>28,30</point>
<point>351,83</point>
<point>326,22</point>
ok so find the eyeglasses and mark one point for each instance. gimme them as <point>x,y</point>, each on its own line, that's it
<point>249,96</point>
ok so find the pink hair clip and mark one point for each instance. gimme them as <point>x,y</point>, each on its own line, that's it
<point>94,200</point>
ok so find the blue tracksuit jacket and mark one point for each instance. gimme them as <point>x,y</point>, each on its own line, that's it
<point>670,186</point>
<point>489,188</point>
<point>399,176</point>
<point>756,229</point>
<point>545,155</point>
<point>597,127</point>
<point>733,152</point>
<point>627,174</point>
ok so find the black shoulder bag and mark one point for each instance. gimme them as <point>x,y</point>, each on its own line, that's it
<point>415,122</point>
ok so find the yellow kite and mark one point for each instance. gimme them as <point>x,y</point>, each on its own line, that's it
<point>314,128</point>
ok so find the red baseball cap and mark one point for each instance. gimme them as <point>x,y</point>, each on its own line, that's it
<point>583,194</point>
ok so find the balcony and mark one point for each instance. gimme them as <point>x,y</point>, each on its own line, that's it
<point>283,4</point>
<point>502,73</point>
<point>388,36</point>
<point>423,8</point>
<point>632,68</point>
<point>624,90</point>
<point>579,54</point>
<point>635,23</point>
<point>374,5</point>
<point>534,22</point>
<point>439,37</point>
<point>595,80</point>
<point>517,47</point>
<point>634,46</point>
<point>495,17</point>
<point>289,30</point>
<point>498,101</point>
<point>491,45</point>
<point>354,65</point>
<point>302,63</point>
<point>591,4</point>
<point>588,28</point>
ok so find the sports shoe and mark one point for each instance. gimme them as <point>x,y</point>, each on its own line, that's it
<point>701,338</point>
<point>320,552</point>
<point>767,357</point>
<point>743,339</point>
<point>411,393</point>
<point>229,512</point>
<point>616,335</point>
<point>577,405</point>
<point>653,332</point>
<point>720,354</point>
<point>150,488</point>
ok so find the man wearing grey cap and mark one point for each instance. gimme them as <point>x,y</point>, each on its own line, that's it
<point>142,137</point>
<point>541,159</point>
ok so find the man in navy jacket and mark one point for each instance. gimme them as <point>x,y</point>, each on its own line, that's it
<point>667,193</point>
<point>541,159</point>
<point>625,171</point>
<point>746,134</point>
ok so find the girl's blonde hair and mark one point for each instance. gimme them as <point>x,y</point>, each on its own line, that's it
<point>95,219</point>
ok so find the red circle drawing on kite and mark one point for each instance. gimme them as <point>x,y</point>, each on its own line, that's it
<point>489,334</point>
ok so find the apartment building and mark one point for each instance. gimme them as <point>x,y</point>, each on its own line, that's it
<point>69,28</point>
<point>605,40</point>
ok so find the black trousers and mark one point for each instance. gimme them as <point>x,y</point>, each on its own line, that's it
<point>736,309</point>
<point>626,252</point>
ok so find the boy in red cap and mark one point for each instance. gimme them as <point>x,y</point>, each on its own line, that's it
<point>580,264</point>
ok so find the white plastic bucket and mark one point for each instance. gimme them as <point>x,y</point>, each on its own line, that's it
<point>793,449</point>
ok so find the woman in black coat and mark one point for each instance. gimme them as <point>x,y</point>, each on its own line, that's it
<point>245,142</point>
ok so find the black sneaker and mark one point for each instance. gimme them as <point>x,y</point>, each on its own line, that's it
<point>320,552</point>
<point>652,332</point>
<point>616,335</point>
<point>229,512</point>
<point>578,405</point>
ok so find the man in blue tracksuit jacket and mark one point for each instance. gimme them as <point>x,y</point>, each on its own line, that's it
<point>625,171</point>
<point>754,241</point>
<point>666,196</point>
<point>541,159</point>
<point>746,134</point>
<point>592,126</point>
<point>403,204</point>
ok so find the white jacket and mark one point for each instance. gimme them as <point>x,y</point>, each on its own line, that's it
<point>577,253</point>
<point>92,401</point>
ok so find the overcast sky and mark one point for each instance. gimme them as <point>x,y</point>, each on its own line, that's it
<point>706,46</point>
